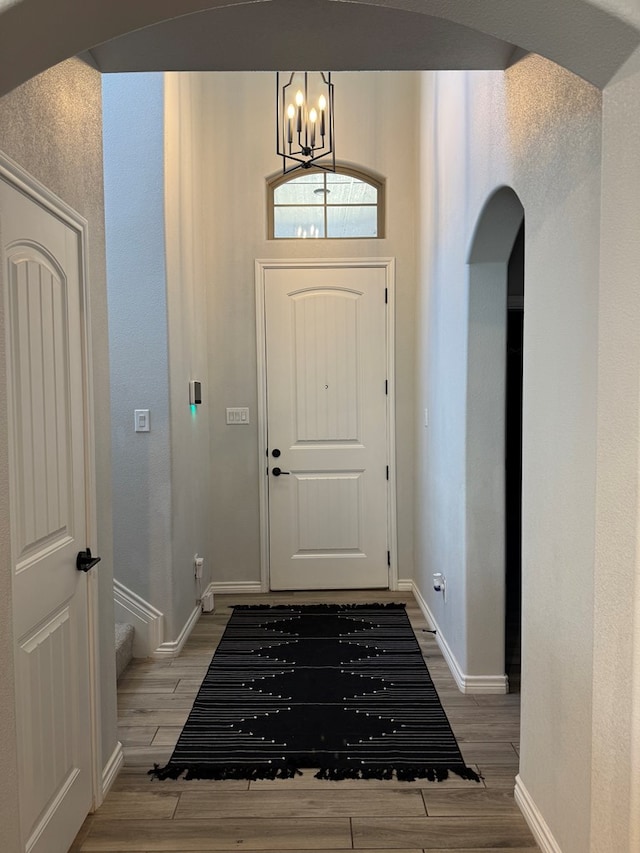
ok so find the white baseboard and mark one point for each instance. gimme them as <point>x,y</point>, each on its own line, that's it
<point>208,591</point>
<point>480,684</point>
<point>112,768</point>
<point>147,621</point>
<point>405,585</point>
<point>235,587</point>
<point>172,648</point>
<point>537,824</point>
<point>210,588</point>
<point>483,684</point>
<point>148,638</point>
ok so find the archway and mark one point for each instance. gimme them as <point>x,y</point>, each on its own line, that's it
<point>486,516</point>
<point>36,34</point>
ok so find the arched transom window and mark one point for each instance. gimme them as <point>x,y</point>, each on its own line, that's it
<point>315,204</point>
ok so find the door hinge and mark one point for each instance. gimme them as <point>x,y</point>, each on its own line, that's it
<point>386,386</point>
<point>389,559</point>
<point>386,295</point>
<point>387,472</point>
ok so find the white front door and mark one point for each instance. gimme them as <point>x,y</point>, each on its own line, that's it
<point>326,375</point>
<point>41,275</point>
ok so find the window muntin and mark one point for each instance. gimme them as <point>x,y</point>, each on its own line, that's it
<point>326,205</point>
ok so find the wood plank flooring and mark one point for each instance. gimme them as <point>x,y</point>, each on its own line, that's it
<point>304,814</point>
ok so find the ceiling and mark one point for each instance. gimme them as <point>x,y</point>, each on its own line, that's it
<point>305,35</point>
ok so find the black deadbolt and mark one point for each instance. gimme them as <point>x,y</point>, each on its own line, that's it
<point>275,452</point>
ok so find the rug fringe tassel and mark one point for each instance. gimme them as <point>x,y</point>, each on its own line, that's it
<point>401,774</point>
<point>331,774</point>
<point>204,771</point>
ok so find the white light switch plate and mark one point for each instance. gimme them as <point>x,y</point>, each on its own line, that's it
<point>141,420</point>
<point>238,415</point>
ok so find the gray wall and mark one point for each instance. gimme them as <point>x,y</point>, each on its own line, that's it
<point>52,127</point>
<point>536,128</point>
<point>615,813</point>
<point>188,280</point>
<point>155,246</point>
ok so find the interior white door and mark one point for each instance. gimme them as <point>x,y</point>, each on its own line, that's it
<point>42,279</point>
<point>326,353</point>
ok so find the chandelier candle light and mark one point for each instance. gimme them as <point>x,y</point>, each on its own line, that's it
<point>305,120</point>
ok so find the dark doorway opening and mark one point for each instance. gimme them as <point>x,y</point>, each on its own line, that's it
<point>513,462</point>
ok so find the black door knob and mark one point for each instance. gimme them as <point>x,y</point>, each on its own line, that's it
<point>277,471</point>
<point>85,562</point>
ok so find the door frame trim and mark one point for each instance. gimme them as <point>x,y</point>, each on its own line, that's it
<point>261,267</point>
<point>20,179</point>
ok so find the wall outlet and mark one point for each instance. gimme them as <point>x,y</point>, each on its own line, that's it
<point>440,584</point>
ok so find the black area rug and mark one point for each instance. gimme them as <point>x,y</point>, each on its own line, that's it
<point>342,688</point>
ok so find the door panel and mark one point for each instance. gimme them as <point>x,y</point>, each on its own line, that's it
<point>327,415</point>
<point>325,368</point>
<point>328,512</point>
<point>47,745</point>
<point>40,356</point>
<point>42,280</point>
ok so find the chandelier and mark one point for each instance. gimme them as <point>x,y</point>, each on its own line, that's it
<point>305,120</point>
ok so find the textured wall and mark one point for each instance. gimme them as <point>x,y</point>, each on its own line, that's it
<point>375,128</point>
<point>536,129</point>
<point>134,199</point>
<point>52,127</point>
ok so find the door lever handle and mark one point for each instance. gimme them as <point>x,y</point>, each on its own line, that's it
<point>85,562</point>
<point>277,471</point>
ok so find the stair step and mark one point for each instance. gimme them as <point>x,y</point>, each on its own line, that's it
<point>124,646</point>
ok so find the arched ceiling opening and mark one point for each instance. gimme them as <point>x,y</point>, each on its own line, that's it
<point>592,38</point>
<point>336,36</point>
